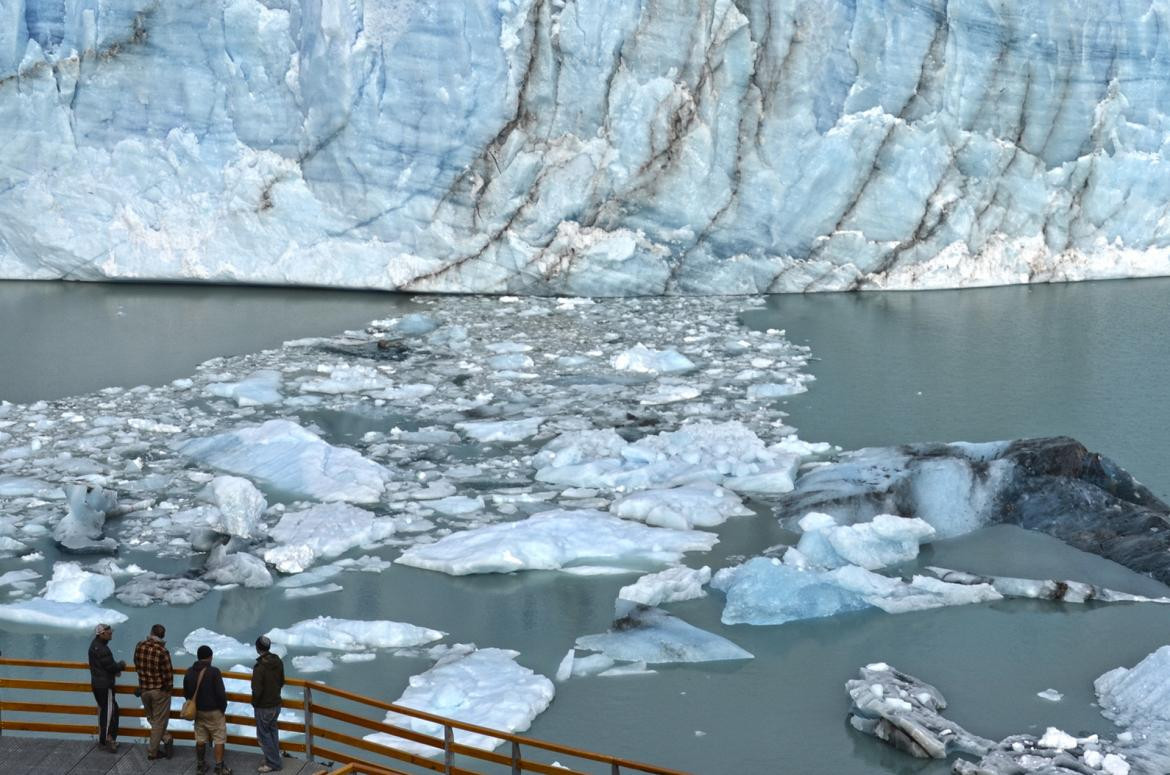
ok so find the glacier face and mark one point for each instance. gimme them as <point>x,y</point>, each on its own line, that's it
<point>599,147</point>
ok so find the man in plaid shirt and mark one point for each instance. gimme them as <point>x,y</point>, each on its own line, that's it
<point>156,677</point>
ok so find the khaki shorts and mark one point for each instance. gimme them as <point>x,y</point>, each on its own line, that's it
<point>210,725</point>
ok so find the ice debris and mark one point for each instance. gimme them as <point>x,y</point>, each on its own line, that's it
<point>326,632</point>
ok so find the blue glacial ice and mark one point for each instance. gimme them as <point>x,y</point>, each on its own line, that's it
<point>594,147</point>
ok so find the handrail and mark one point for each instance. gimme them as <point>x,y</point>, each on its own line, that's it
<point>313,732</point>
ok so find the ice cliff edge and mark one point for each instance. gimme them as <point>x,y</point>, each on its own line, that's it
<point>600,147</point>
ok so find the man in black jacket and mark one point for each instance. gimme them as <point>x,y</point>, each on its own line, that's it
<point>267,681</point>
<point>205,683</point>
<point>103,672</point>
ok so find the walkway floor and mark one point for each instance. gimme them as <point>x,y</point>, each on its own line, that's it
<point>50,756</point>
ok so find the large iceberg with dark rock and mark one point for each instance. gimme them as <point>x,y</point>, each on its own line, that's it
<point>590,147</point>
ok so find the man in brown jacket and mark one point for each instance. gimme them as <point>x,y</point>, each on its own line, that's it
<point>267,681</point>
<point>156,677</point>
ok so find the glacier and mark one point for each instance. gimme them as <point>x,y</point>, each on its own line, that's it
<point>584,147</point>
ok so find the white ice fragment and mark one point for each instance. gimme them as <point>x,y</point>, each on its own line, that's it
<point>224,647</point>
<point>239,505</point>
<point>1057,739</point>
<point>327,632</point>
<point>642,359</point>
<point>551,540</point>
<point>486,687</point>
<point>681,507</point>
<point>39,612</point>
<point>323,531</point>
<point>71,584</point>
<point>668,586</point>
<point>312,664</point>
<point>257,389</point>
<point>486,431</point>
<point>1051,695</point>
<point>286,457</point>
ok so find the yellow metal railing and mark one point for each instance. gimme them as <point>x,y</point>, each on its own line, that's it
<point>353,747</point>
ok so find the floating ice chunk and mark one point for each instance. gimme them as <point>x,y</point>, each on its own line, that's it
<point>766,591</point>
<point>257,389</point>
<point>347,378</point>
<point>1138,696</point>
<point>651,635</point>
<point>681,507</point>
<point>149,588</point>
<point>1051,695</point>
<point>39,612</point>
<point>642,359</point>
<point>591,664</point>
<point>485,687</point>
<point>576,447</point>
<point>311,591</point>
<point>1058,739</point>
<point>457,505</point>
<point>239,503</point>
<point>501,430</point>
<point>80,530</point>
<point>769,391</point>
<point>669,394</point>
<point>288,458</point>
<point>224,647</point>
<point>313,664</point>
<point>18,577</point>
<point>1115,764</point>
<point>554,539</point>
<point>71,584</point>
<point>325,632</point>
<point>634,668</point>
<point>415,324</point>
<point>885,540</point>
<point>515,361</point>
<point>411,392</point>
<point>28,487</point>
<point>325,530</point>
<point>775,481</point>
<point>224,567</point>
<point>668,586</point>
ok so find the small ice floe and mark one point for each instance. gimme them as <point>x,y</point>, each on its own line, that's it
<point>284,456</point>
<point>1051,695</point>
<point>726,453</point>
<point>224,647</point>
<point>552,540</point>
<point>642,359</point>
<point>699,505</point>
<point>650,635</point>
<point>486,687</point>
<point>668,586</point>
<point>323,531</point>
<point>669,393</point>
<point>149,588</point>
<point>238,506</point>
<point>346,378</point>
<point>885,540</point>
<point>1044,589</point>
<point>765,590</point>
<point>80,531</point>
<point>69,601</point>
<point>312,591</point>
<point>415,324</point>
<point>225,566</point>
<point>71,584</point>
<point>257,389</point>
<point>18,577</point>
<point>770,391</point>
<point>29,487</point>
<point>485,431</point>
<point>457,505</point>
<point>325,632</point>
<point>318,663</point>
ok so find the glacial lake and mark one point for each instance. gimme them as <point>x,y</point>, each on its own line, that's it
<point>1086,360</point>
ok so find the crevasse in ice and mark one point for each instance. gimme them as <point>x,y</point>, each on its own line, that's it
<point>593,147</point>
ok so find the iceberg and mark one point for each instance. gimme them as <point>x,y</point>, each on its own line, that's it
<point>668,586</point>
<point>326,530</point>
<point>486,687</point>
<point>579,148</point>
<point>885,540</point>
<point>285,457</point>
<point>552,540</point>
<point>682,508</point>
<point>224,647</point>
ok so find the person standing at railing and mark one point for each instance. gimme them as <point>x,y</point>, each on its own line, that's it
<point>103,673</point>
<point>156,677</point>
<point>267,681</point>
<point>205,683</point>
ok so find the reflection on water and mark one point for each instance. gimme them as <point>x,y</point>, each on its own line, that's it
<point>1003,363</point>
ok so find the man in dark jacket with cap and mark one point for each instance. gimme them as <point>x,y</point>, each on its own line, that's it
<point>103,672</point>
<point>204,682</point>
<point>267,681</point>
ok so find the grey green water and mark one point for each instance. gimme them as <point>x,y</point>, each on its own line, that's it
<point>1085,360</point>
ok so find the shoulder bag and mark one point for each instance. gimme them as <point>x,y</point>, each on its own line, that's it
<point>187,712</point>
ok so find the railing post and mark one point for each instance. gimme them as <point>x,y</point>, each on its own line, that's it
<point>614,768</point>
<point>516,769</point>
<point>308,723</point>
<point>448,753</point>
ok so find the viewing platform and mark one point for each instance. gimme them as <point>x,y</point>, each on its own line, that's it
<point>52,756</point>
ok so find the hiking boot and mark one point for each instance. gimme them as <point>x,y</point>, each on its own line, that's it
<point>109,746</point>
<point>222,769</point>
<point>201,767</point>
<point>266,767</point>
<point>168,748</point>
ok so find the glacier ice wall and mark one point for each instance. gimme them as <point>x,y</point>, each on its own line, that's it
<point>585,146</point>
